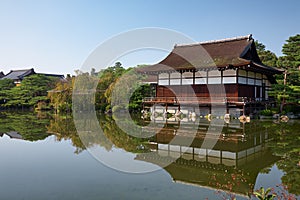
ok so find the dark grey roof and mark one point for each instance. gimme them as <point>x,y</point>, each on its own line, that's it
<point>18,74</point>
<point>14,134</point>
<point>1,74</point>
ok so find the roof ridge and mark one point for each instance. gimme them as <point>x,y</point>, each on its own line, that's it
<point>249,37</point>
<point>17,70</point>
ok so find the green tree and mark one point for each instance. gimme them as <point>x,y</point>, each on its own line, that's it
<point>291,51</point>
<point>33,89</point>
<point>128,91</point>
<point>83,93</point>
<point>126,81</point>
<point>5,86</point>
<point>123,89</point>
<point>136,100</point>
<point>107,79</point>
<point>290,61</point>
<point>293,77</point>
<point>61,96</point>
<point>288,93</point>
<point>266,56</point>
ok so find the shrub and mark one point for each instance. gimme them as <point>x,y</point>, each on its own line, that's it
<point>266,112</point>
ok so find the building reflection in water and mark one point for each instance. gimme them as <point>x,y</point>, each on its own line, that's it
<point>233,164</point>
<point>241,151</point>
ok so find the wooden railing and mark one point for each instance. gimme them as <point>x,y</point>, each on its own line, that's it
<point>202,100</point>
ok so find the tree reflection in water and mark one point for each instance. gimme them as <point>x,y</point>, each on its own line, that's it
<point>281,141</point>
<point>31,127</point>
<point>63,127</point>
<point>286,144</point>
<point>282,144</point>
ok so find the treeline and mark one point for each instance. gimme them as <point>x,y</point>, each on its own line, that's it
<point>287,89</point>
<point>104,98</point>
<point>117,88</point>
<point>31,93</point>
<point>43,92</point>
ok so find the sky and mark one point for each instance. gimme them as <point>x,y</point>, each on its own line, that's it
<point>57,36</point>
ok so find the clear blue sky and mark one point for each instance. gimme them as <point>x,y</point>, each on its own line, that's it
<point>57,36</point>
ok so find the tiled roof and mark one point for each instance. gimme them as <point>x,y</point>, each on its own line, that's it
<point>18,74</point>
<point>239,51</point>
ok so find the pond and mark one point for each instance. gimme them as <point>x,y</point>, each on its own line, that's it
<point>43,157</point>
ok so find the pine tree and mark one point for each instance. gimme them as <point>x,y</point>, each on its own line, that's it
<point>266,56</point>
<point>291,51</point>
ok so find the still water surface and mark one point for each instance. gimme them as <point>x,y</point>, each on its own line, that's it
<point>42,157</point>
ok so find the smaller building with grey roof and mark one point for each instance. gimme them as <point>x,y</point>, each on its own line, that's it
<point>19,75</point>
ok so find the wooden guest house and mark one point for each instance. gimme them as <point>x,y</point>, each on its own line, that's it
<point>224,72</point>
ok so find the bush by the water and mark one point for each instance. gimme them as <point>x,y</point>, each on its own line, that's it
<point>266,112</point>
